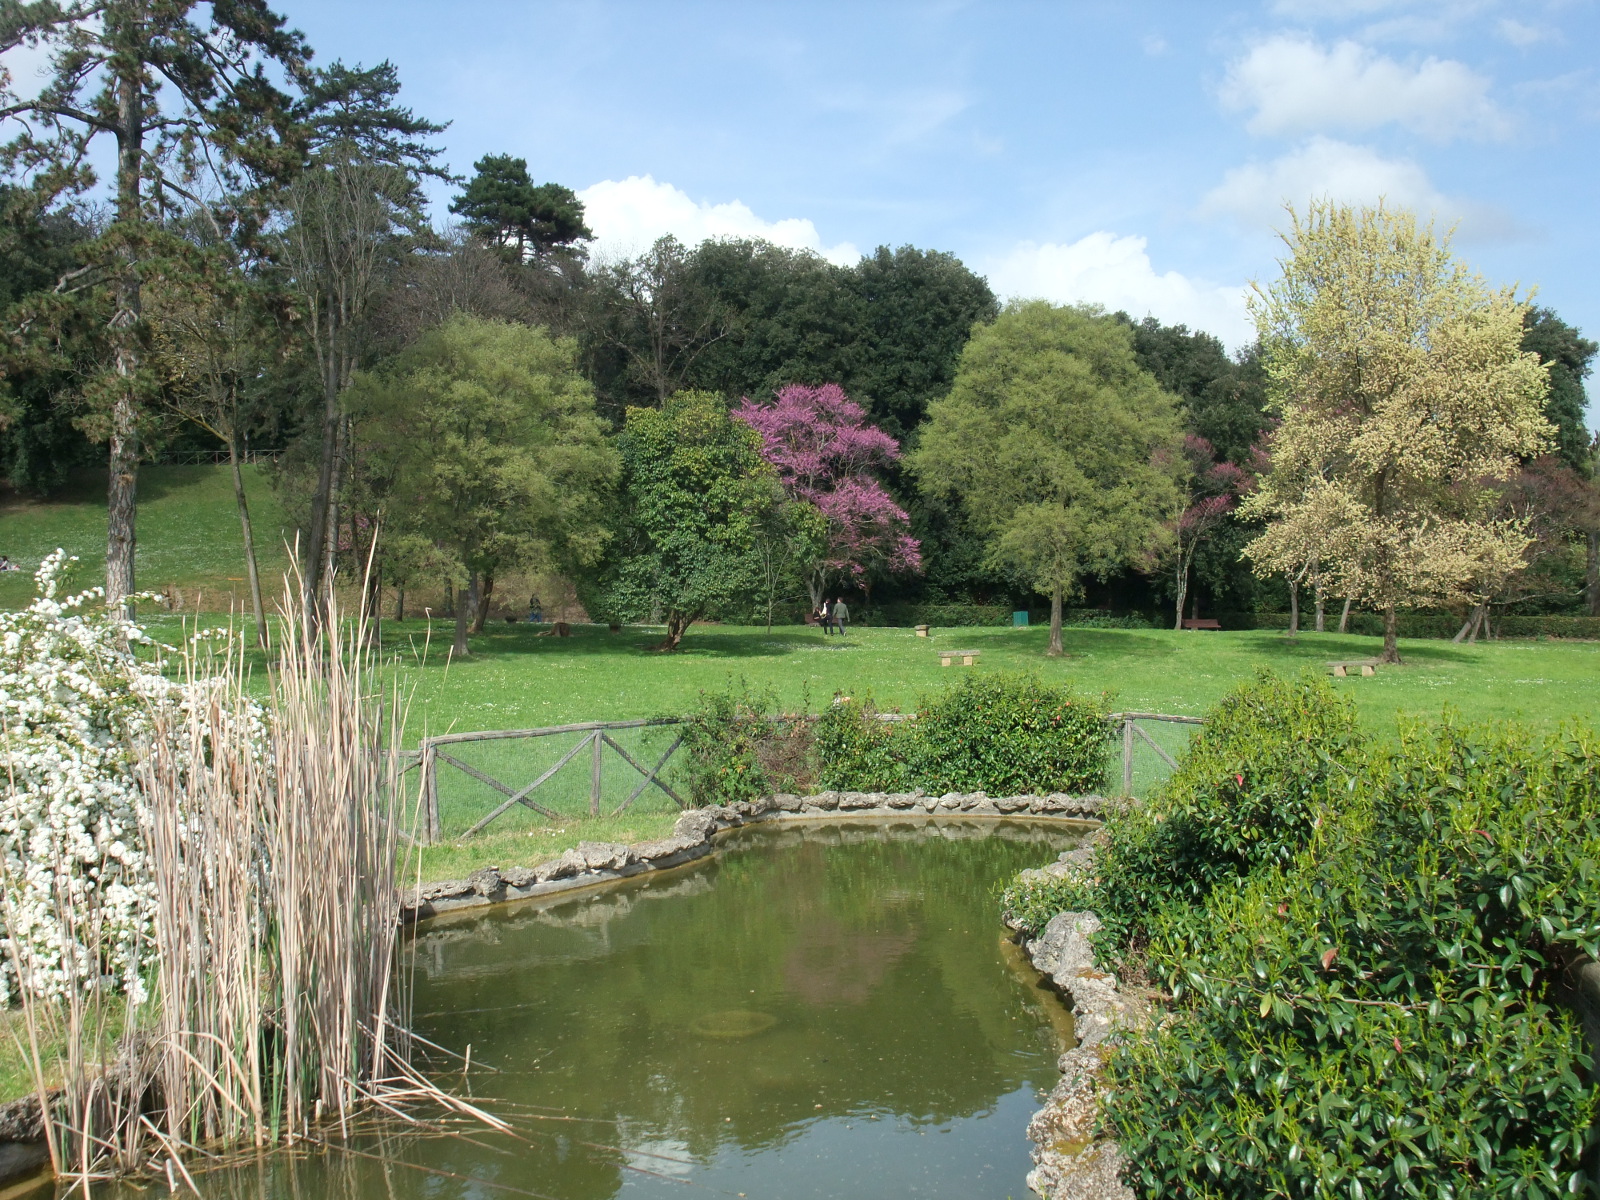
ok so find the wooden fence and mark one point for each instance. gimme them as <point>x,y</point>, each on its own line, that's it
<point>435,754</point>
<point>432,754</point>
<point>1130,730</point>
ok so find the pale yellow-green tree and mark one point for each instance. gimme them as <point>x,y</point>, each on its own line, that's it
<point>1403,395</point>
<point>1063,450</point>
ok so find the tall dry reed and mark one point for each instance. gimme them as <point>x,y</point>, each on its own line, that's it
<point>274,832</point>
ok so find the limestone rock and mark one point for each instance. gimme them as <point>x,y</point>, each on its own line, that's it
<point>665,847</point>
<point>1011,804</point>
<point>446,889</point>
<point>486,881</point>
<point>784,802</point>
<point>604,856</point>
<point>569,864</point>
<point>951,800</point>
<point>519,877</point>
<point>856,800</point>
<point>697,823</point>
<point>902,800</point>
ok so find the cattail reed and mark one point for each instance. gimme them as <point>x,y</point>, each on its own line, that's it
<point>271,999</point>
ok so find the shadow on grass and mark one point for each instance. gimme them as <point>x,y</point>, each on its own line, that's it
<point>505,640</point>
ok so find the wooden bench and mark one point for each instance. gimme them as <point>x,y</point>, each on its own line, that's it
<point>1369,666</point>
<point>1202,623</point>
<point>967,657</point>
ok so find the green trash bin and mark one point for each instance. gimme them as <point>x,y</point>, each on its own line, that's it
<point>1020,617</point>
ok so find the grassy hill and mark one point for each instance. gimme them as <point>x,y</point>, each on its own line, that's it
<point>188,531</point>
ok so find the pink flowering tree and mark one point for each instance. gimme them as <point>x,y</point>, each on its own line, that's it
<point>819,442</point>
<point>1210,489</point>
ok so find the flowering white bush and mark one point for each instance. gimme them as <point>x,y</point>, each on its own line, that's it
<point>74,703</point>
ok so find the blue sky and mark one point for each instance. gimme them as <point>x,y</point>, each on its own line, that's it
<point>1132,154</point>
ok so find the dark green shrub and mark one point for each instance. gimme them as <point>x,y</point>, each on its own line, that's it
<point>1009,734</point>
<point>1271,755</point>
<point>1374,1018</point>
<point>858,752</point>
<point>737,747</point>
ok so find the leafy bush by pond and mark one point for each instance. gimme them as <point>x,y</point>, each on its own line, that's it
<point>1270,757</point>
<point>1005,734</point>
<point>1361,989</point>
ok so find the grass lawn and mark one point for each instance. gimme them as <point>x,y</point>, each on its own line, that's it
<point>517,680</point>
<point>189,539</point>
<point>188,534</point>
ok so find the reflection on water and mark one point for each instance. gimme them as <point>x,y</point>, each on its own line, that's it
<point>821,1011</point>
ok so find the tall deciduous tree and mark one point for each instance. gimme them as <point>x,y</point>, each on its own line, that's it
<point>824,451</point>
<point>695,494</point>
<point>183,90</point>
<point>352,214</point>
<point>1404,393</point>
<point>1209,491</point>
<point>481,438</point>
<point>1061,447</point>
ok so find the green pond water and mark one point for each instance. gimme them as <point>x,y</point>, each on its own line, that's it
<point>818,1011</point>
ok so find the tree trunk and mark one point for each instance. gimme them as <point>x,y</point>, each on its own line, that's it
<point>121,501</point>
<point>466,605</point>
<point>677,625</point>
<point>1592,573</point>
<point>1183,594</point>
<point>122,486</point>
<point>1056,650</point>
<point>250,568</point>
<point>486,592</point>
<point>1344,617</point>
<point>449,599</point>
<point>1321,600</point>
<point>1294,607</point>
<point>1391,635</point>
<point>321,498</point>
<point>400,603</point>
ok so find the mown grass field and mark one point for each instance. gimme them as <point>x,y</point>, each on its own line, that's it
<point>188,534</point>
<point>515,678</point>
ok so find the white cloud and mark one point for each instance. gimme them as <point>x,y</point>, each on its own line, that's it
<point>628,215</point>
<point>1322,169</point>
<point>1519,33</point>
<point>1296,85</point>
<point>1325,169</point>
<point>1116,272</point>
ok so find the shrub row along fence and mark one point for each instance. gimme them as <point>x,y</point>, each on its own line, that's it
<point>598,769</point>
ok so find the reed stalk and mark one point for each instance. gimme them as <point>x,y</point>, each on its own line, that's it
<point>275,1000</point>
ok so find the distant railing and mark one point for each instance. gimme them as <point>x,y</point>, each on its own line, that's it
<point>597,740</point>
<point>436,754</point>
<point>195,458</point>
<point>1130,726</point>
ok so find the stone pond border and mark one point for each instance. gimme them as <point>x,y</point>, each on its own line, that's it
<point>1072,1160</point>
<point>592,863</point>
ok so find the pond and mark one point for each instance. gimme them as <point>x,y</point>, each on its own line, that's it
<point>819,1011</point>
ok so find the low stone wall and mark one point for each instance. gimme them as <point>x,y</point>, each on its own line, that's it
<point>1071,1161</point>
<point>592,863</point>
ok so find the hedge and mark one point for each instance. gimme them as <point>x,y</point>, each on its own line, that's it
<point>1425,625</point>
<point>1361,966</point>
<point>1004,733</point>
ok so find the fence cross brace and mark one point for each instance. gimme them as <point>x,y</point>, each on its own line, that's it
<point>516,796</point>
<point>650,776</point>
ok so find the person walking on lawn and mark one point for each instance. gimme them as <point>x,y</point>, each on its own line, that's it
<point>825,617</point>
<point>841,614</point>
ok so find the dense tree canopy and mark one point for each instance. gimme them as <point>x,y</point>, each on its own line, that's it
<point>480,440</point>
<point>502,205</point>
<point>694,495</point>
<point>1061,447</point>
<point>1404,392</point>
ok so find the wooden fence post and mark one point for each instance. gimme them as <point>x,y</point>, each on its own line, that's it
<point>430,792</point>
<point>1127,756</point>
<point>594,775</point>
